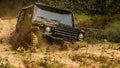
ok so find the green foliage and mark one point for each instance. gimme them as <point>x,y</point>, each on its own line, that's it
<point>83,20</point>
<point>99,27</point>
<point>9,8</point>
<point>78,6</point>
<point>95,21</point>
<point>94,36</point>
<point>113,32</point>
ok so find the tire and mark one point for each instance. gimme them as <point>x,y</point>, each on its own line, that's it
<point>37,37</point>
<point>34,39</point>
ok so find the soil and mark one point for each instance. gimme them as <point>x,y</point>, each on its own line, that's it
<point>17,59</point>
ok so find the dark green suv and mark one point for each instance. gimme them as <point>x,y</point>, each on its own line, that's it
<point>38,20</point>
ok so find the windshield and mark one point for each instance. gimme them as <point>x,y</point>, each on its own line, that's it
<point>64,18</point>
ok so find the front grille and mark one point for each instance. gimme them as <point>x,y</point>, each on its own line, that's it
<point>66,31</point>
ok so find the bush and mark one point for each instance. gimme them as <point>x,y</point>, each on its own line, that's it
<point>99,27</point>
<point>112,32</point>
<point>94,35</point>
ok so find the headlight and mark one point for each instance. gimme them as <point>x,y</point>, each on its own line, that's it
<point>47,29</point>
<point>81,36</point>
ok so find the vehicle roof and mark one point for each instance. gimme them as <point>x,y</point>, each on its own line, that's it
<point>49,8</point>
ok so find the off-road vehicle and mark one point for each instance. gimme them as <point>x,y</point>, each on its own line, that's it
<point>38,22</point>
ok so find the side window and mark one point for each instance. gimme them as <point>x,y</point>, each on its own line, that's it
<point>20,20</point>
<point>21,16</point>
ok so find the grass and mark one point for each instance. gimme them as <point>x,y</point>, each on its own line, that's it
<point>84,60</point>
<point>88,59</point>
<point>111,64</point>
<point>46,62</point>
<point>4,63</point>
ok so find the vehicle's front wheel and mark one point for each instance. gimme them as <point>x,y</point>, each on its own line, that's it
<point>34,39</point>
<point>37,40</point>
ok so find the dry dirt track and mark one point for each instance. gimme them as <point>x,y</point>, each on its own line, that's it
<point>7,26</point>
